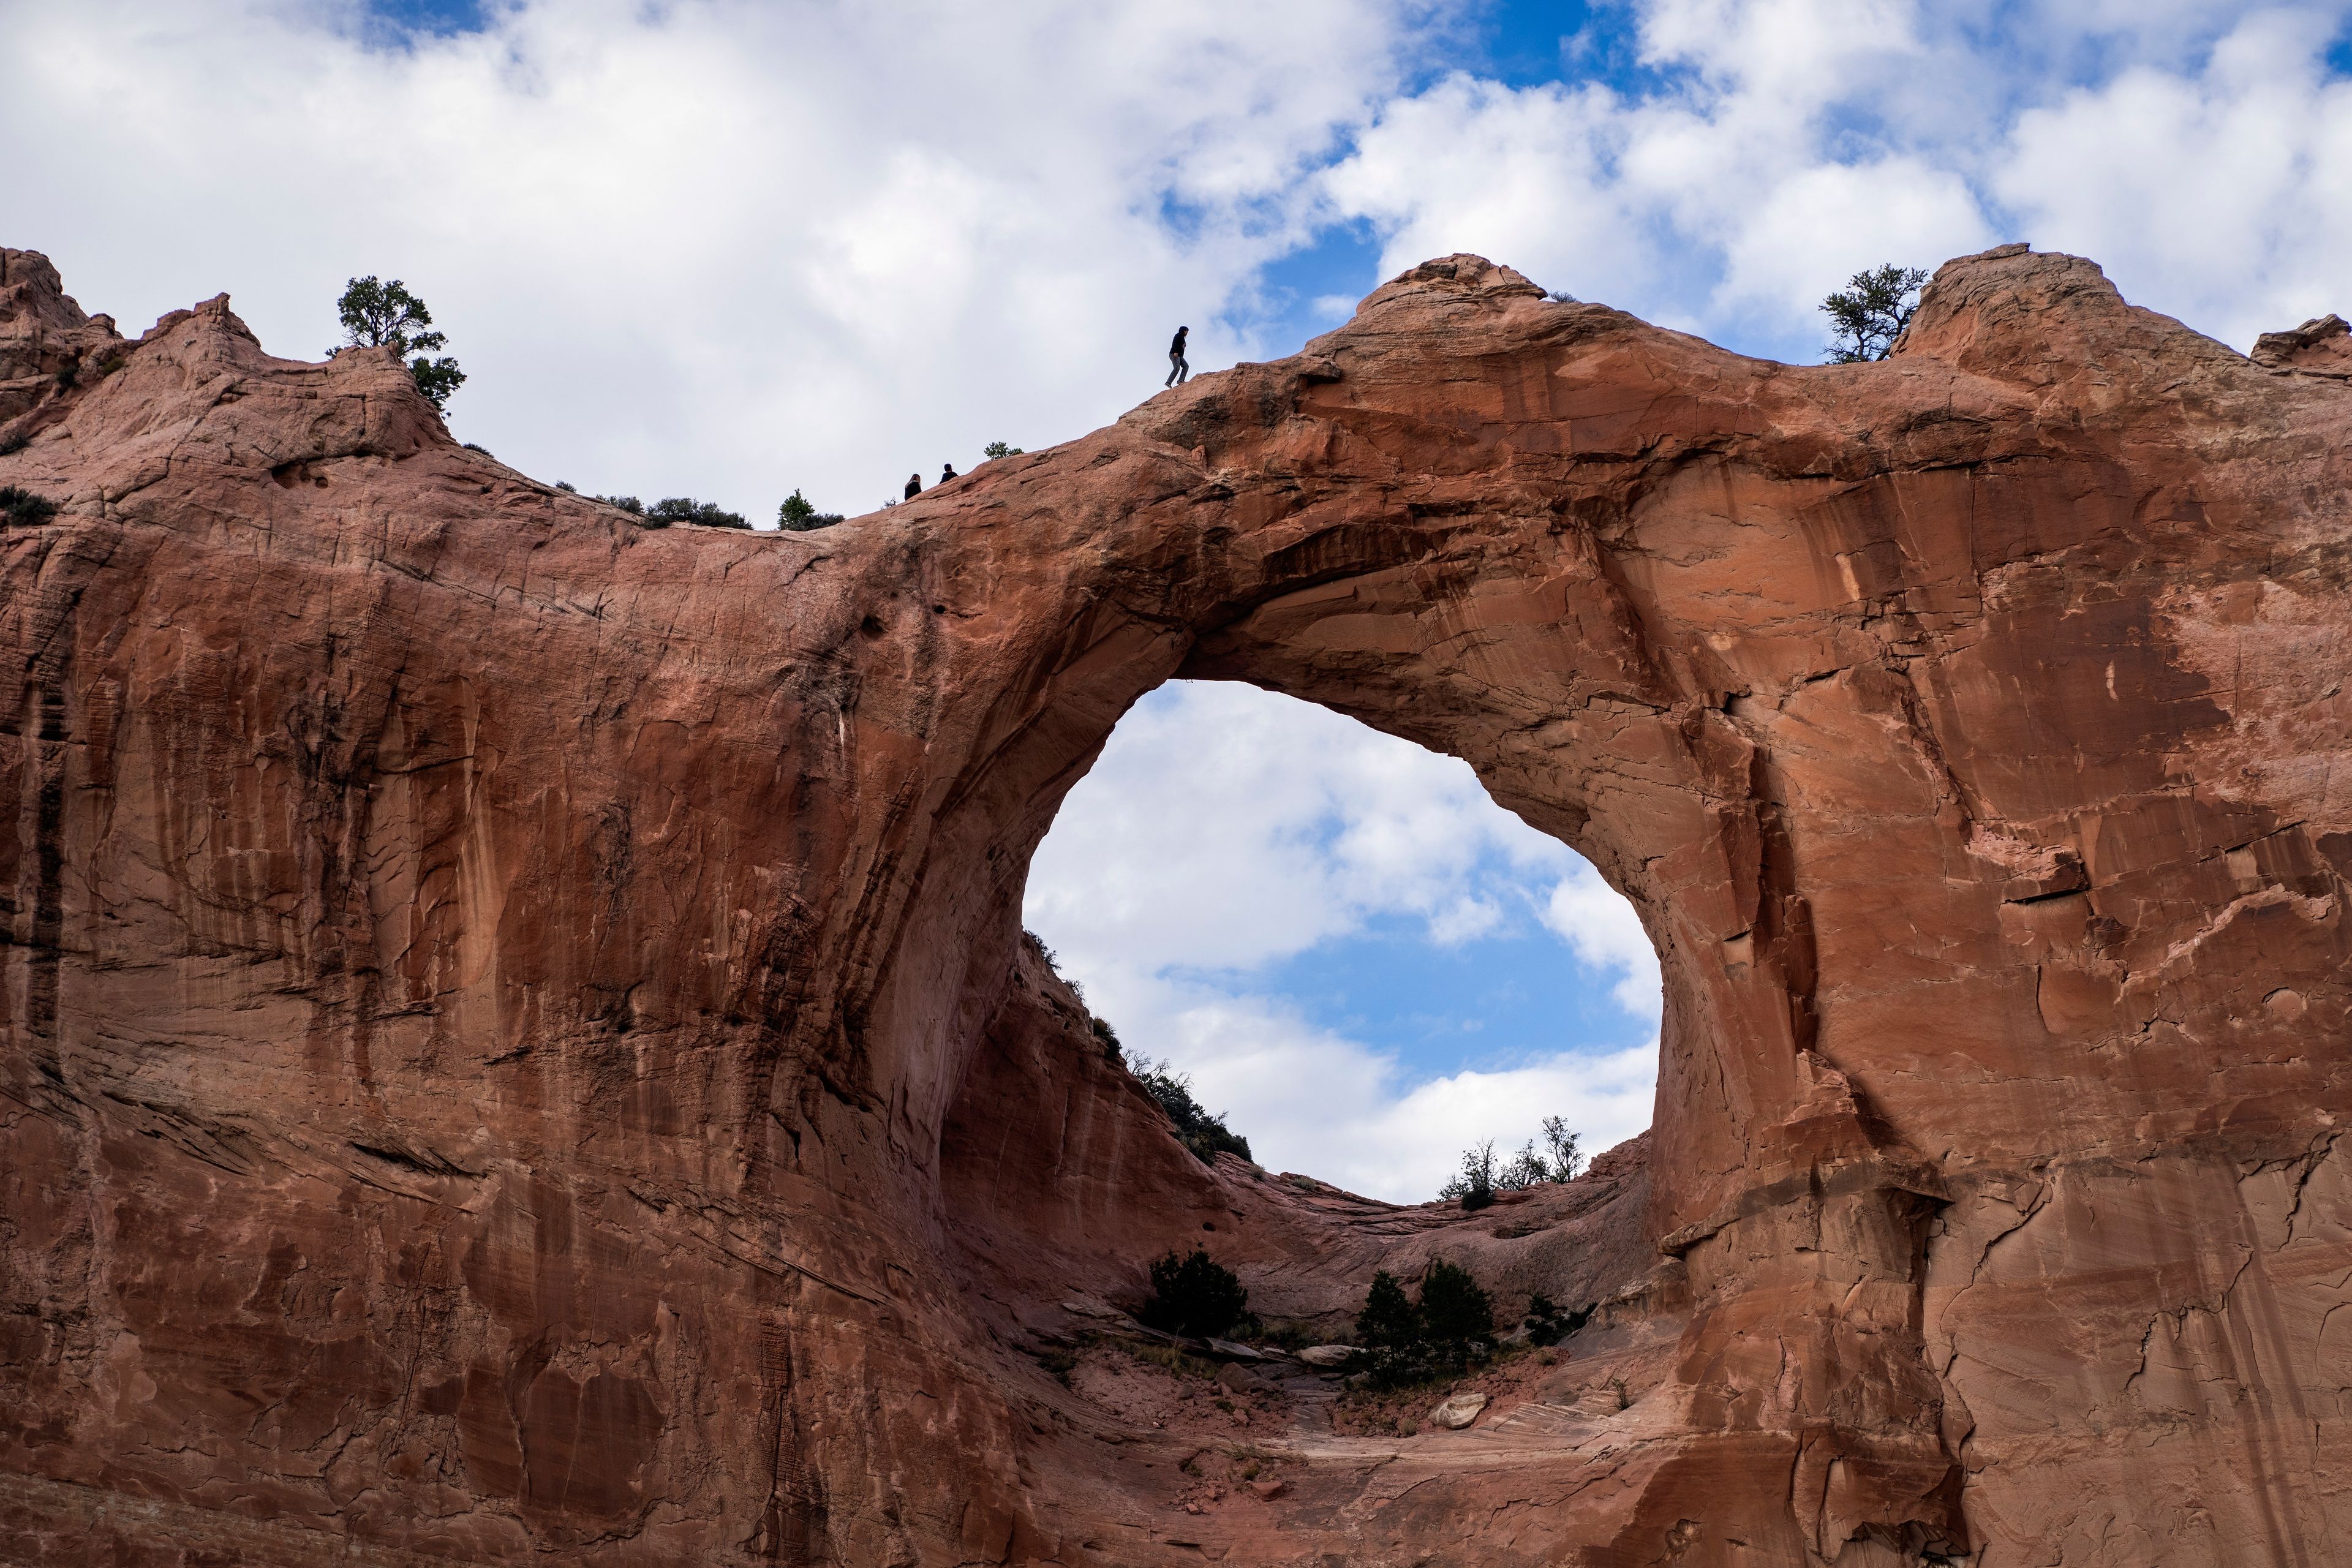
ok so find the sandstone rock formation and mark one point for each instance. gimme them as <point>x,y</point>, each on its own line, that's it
<point>519,1048</point>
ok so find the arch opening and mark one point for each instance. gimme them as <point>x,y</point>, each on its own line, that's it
<point>1348,947</point>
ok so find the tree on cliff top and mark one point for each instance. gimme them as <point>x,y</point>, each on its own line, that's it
<point>1871,313</point>
<point>1474,1184</point>
<point>1197,1129</point>
<point>386,315</point>
<point>798,514</point>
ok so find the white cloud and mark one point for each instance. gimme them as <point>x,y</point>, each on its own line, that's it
<point>707,247</point>
<point>2201,152</point>
<point>1595,920</point>
<point>1310,1100</point>
<point>2224,196</point>
<point>1224,830</point>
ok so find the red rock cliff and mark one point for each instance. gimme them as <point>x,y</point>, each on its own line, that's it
<point>518,1047</point>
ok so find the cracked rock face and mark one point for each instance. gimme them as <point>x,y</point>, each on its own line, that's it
<point>518,1046</point>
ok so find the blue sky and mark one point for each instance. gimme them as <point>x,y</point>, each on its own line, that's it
<point>1493,1001</point>
<point>1521,43</point>
<point>730,250</point>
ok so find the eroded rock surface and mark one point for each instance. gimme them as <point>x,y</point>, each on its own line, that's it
<point>518,1046</point>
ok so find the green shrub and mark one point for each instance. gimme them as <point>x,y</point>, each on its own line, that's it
<point>999,449</point>
<point>1290,1335</point>
<point>1194,1294</point>
<point>1474,1183</point>
<point>1107,1038</point>
<point>686,509</point>
<point>798,515</point>
<point>1548,1324</point>
<point>23,508</point>
<point>1206,1135</point>
<point>1454,1309</point>
<point>1387,1320</point>
<point>1438,1336</point>
<point>629,504</point>
<point>1480,1178</point>
<point>1559,1160</point>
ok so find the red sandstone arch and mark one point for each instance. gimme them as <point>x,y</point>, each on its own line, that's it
<point>516,1042</point>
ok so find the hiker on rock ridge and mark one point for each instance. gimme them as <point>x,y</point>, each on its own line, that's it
<point>914,486</point>
<point>1179,370</point>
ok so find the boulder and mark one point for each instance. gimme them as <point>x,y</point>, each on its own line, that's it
<point>1238,1378</point>
<point>1328,1356</point>
<point>1457,1411</point>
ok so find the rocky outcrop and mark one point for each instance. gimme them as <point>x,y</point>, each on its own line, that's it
<point>518,1046</point>
<point>2321,346</point>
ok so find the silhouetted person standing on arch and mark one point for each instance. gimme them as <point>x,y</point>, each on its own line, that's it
<point>914,486</point>
<point>1178,370</point>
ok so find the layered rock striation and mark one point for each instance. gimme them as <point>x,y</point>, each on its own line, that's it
<point>518,1046</point>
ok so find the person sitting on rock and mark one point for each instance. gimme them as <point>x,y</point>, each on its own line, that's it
<point>946,472</point>
<point>914,486</point>
<point>1179,370</point>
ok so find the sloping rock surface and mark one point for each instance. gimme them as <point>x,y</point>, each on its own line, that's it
<point>518,1046</point>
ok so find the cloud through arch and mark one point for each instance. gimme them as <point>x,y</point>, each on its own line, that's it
<point>1355,953</point>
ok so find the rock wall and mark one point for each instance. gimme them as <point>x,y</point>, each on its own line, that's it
<point>518,1046</point>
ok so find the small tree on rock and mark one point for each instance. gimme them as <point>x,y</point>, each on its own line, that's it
<point>1566,1158</point>
<point>1410,1342</point>
<point>1387,1320</point>
<point>1474,1183</point>
<point>1454,1310</point>
<point>1525,1169</point>
<point>1480,1177</point>
<point>798,514</point>
<point>386,315</point>
<point>1871,313</point>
